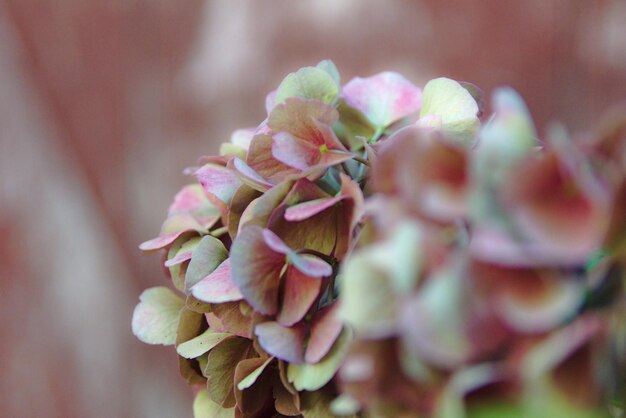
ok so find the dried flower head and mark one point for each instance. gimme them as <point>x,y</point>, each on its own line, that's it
<point>376,250</point>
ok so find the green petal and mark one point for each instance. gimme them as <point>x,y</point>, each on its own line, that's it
<point>309,83</point>
<point>190,325</point>
<point>181,249</point>
<point>446,105</point>
<point>330,67</point>
<point>208,254</point>
<point>249,380</point>
<point>313,376</point>
<point>367,292</point>
<point>221,366</point>
<point>345,405</point>
<point>155,319</point>
<point>204,407</point>
<point>201,344</point>
<point>508,137</point>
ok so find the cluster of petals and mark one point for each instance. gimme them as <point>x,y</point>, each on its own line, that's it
<point>378,249</point>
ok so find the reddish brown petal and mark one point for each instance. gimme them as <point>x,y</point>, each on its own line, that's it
<point>350,212</point>
<point>256,269</point>
<point>299,116</point>
<point>550,207</point>
<point>325,328</point>
<point>299,293</point>
<point>241,200</point>
<point>232,318</point>
<point>427,170</point>
<point>219,182</point>
<point>528,300</point>
<point>286,403</point>
<point>260,210</point>
<point>285,343</point>
<point>261,160</point>
<point>295,152</point>
<point>253,398</point>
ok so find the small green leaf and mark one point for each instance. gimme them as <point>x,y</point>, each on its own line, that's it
<point>252,377</point>
<point>366,288</point>
<point>178,253</point>
<point>201,344</point>
<point>345,405</point>
<point>313,376</point>
<point>204,407</point>
<point>221,366</point>
<point>447,106</point>
<point>155,319</point>
<point>330,67</point>
<point>309,83</point>
<point>207,255</point>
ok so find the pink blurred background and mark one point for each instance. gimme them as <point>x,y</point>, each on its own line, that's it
<point>103,103</point>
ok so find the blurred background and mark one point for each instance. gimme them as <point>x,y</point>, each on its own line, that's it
<point>103,103</point>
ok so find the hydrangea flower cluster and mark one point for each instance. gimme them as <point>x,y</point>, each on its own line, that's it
<point>377,250</point>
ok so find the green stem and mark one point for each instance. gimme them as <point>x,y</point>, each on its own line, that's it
<point>330,260</point>
<point>379,132</point>
<point>361,160</point>
<point>219,231</point>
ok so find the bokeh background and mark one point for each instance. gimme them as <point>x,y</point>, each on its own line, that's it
<point>103,103</point>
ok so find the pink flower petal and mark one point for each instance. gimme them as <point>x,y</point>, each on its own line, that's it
<point>261,160</point>
<point>325,328</point>
<point>311,265</point>
<point>383,98</point>
<point>217,287</point>
<point>295,152</point>
<point>219,182</point>
<point>256,269</point>
<point>249,176</point>
<point>160,242</point>
<point>285,343</point>
<point>305,210</point>
<point>300,291</point>
<point>179,258</point>
<point>190,199</point>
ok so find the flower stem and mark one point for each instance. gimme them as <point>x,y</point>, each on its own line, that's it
<point>219,231</point>
<point>361,160</point>
<point>329,259</point>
